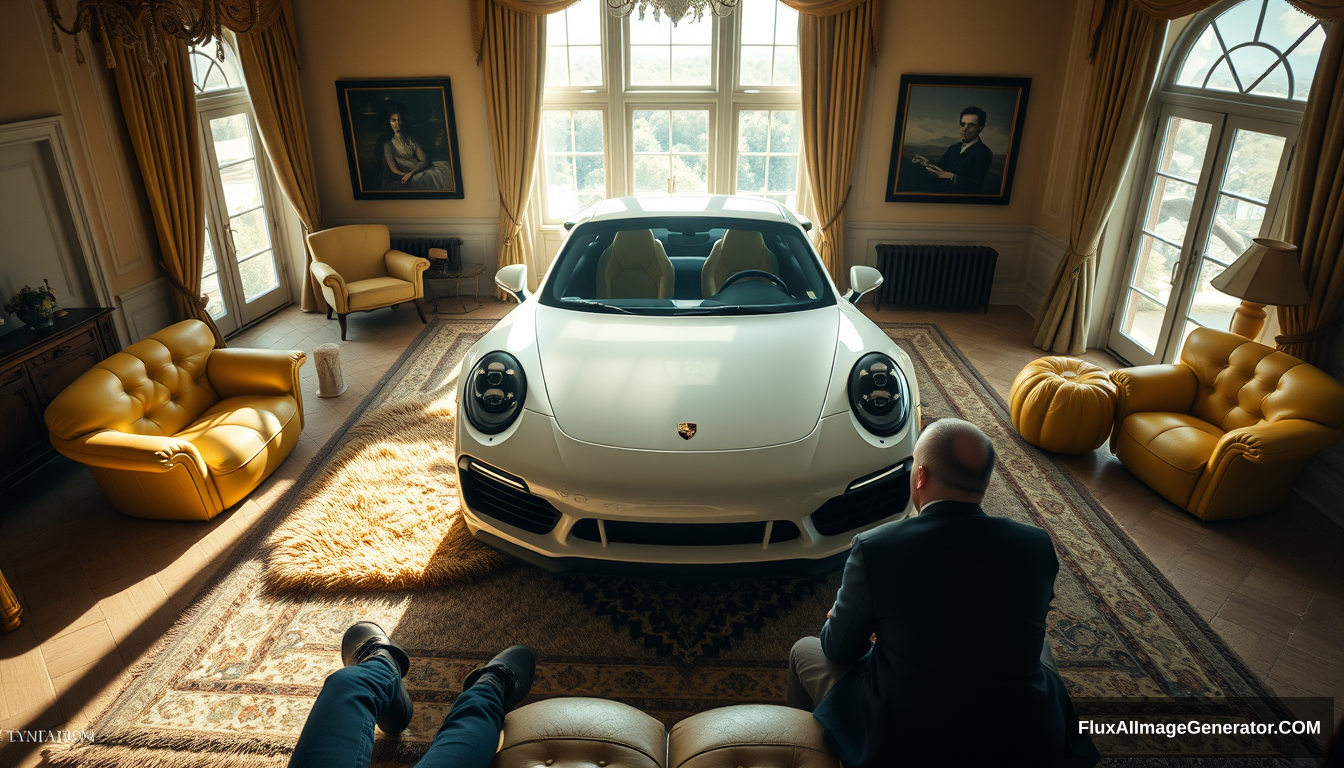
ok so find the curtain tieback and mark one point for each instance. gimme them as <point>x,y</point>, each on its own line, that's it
<point>514,226</point>
<point>843,202</point>
<point>1302,338</point>
<point>201,300</point>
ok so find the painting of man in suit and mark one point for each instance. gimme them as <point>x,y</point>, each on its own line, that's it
<point>956,139</point>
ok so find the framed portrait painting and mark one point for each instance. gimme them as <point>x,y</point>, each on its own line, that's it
<point>957,139</point>
<point>400,139</point>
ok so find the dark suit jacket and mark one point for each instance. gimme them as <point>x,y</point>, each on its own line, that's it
<point>969,166</point>
<point>958,600</point>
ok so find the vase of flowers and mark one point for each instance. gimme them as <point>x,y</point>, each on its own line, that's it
<point>34,306</point>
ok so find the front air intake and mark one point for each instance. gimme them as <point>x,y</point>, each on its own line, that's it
<point>870,499</point>
<point>494,493</point>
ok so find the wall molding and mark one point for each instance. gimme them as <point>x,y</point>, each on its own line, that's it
<point>147,308</point>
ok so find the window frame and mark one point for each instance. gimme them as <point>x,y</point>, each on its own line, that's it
<point>617,101</point>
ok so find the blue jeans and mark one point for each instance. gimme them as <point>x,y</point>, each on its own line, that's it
<point>339,730</point>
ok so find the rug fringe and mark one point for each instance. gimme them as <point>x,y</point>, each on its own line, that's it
<point>101,756</point>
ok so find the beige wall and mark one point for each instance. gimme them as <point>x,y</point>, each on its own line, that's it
<point>1026,38</point>
<point>37,82</point>
<point>356,39</point>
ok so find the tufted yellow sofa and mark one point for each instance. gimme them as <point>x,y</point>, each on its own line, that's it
<point>174,429</point>
<point>1224,432</point>
<point>358,270</point>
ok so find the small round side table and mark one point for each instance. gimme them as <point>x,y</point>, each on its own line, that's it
<point>1063,404</point>
<point>440,280</point>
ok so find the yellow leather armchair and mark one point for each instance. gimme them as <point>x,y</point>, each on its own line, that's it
<point>358,270</point>
<point>174,429</point>
<point>1224,432</point>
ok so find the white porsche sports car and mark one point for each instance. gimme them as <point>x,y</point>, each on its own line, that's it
<point>686,388</point>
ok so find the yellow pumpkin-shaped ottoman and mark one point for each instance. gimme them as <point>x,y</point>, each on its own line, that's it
<point>1063,404</point>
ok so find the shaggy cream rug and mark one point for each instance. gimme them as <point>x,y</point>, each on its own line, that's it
<point>384,512</point>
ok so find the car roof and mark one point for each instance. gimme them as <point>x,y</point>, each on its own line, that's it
<point>718,206</point>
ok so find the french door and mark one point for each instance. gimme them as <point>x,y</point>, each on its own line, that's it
<point>242,276</point>
<point>1213,184</point>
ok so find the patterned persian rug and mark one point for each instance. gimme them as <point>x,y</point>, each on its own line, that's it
<point>232,683</point>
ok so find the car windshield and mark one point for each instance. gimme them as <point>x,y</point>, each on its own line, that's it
<point>687,265</point>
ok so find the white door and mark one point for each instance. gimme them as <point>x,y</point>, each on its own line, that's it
<point>1211,179</point>
<point>242,275</point>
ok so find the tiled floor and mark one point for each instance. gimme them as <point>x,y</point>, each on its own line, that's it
<point>99,588</point>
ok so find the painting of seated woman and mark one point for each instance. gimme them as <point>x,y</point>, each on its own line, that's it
<point>400,139</point>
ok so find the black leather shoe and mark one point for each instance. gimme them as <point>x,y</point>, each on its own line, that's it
<point>363,641</point>
<point>512,669</point>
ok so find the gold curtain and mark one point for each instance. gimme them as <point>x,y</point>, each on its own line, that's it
<point>270,62</point>
<point>835,53</point>
<point>1316,210</point>
<point>513,54</point>
<point>160,114</point>
<point>1124,67</point>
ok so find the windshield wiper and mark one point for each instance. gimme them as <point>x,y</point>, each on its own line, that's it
<point>732,309</point>
<point>599,306</point>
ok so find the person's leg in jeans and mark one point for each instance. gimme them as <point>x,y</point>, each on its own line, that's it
<point>339,730</point>
<point>469,735</point>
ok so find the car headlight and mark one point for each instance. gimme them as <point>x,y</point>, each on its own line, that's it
<point>878,394</point>
<point>495,392</point>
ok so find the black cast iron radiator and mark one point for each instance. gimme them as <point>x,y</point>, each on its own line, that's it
<point>935,275</point>
<point>419,246</point>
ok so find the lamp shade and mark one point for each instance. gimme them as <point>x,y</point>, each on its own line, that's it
<point>1267,273</point>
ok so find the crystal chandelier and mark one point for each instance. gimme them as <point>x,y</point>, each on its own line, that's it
<point>674,10</point>
<point>143,24</point>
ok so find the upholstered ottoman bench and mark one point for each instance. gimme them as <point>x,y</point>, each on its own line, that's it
<point>582,733</point>
<point>1063,404</point>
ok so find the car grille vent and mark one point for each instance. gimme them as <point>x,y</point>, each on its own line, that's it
<point>504,497</point>
<point>684,534</point>
<point>866,504</point>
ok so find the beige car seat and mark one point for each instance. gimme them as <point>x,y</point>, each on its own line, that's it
<point>738,250</point>
<point>635,266</point>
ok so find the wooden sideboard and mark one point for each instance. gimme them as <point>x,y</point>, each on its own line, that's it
<point>35,365</point>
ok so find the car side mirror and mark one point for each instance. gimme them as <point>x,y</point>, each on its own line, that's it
<point>804,222</point>
<point>862,280</point>
<point>513,279</point>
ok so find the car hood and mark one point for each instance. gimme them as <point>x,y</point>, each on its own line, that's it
<point>744,381</point>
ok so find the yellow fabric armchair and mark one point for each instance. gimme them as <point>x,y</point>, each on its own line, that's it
<point>172,428</point>
<point>357,271</point>
<point>1224,432</point>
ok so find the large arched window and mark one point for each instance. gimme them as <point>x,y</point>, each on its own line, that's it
<point>1227,109</point>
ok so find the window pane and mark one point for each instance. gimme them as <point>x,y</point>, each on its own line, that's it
<point>690,131</point>
<point>584,22</point>
<point>786,65</point>
<point>690,65</point>
<point>650,64</point>
<point>785,132</point>
<point>590,173</point>
<point>249,234</point>
<point>1238,23</point>
<point>1303,61</point>
<point>1253,164</point>
<point>1252,62</point>
<point>588,131</point>
<point>1256,35</point>
<point>691,32</point>
<point>560,173</point>
<point>585,65</point>
<point>757,62</point>
<point>1283,26</point>
<point>559,137</point>
<point>1155,264</point>
<point>1183,148</point>
<point>1143,320</point>
<point>1200,58</point>
<point>242,188</point>
<point>753,131</point>
<point>1169,209</point>
<point>1274,84</point>
<point>1211,307</point>
<point>232,137</point>
<point>786,25</point>
<point>750,174</point>
<point>557,66</point>
<point>646,31</point>
<point>651,131</point>
<point>258,274</point>
<point>783,174</point>
<point>1235,222</point>
<point>691,173</point>
<point>209,266</point>
<point>652,173</point>
<point>210,287</point>
<point>758,21</point>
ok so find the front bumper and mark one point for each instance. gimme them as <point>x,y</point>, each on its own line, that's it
<point>564,504</point>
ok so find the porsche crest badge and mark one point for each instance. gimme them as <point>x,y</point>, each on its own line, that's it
<point>686,429</point>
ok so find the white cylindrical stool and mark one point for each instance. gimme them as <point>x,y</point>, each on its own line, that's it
<point>330,380</point>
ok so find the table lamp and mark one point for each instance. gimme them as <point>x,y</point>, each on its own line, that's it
<point>1267,273</point>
